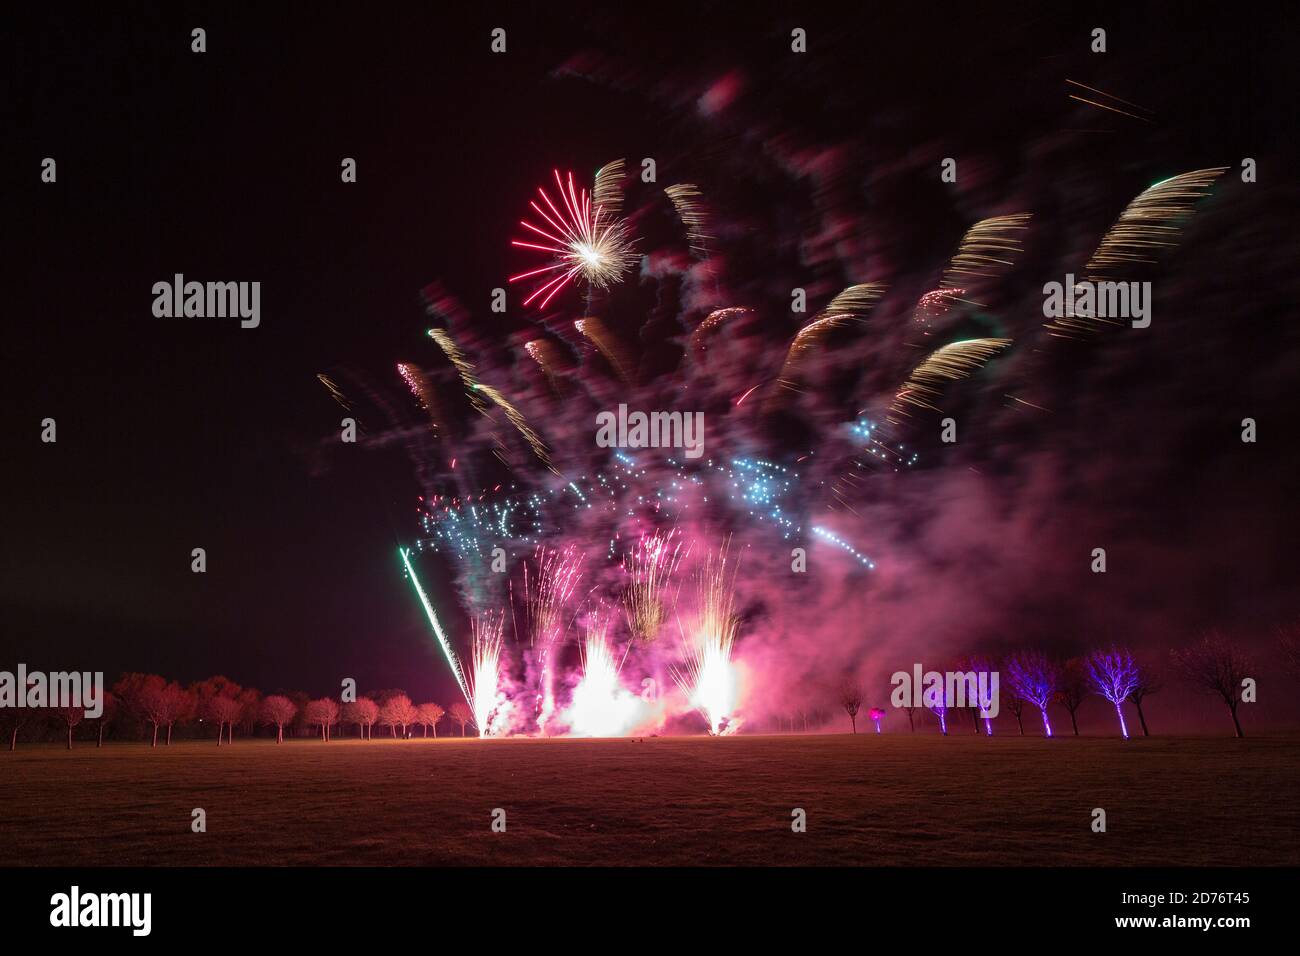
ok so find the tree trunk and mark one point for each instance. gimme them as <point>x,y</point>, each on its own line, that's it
<point>13,740</point>
<point>1075,723</point>
<point>911,723</point>
<point>169,735</point>
<point>1235,722</point>
<point>435,731</point>
<point>1141,719</point>
<point>101,734</point>
<point>155,736</point>
<point>69,736</point>
<point>1020,719</point>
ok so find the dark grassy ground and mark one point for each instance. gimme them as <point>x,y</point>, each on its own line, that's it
<point>895,799</point>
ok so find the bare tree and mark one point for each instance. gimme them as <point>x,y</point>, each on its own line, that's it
<point>1288,643</point>
<point>107,715</point>
<point>851,701</point>
<point>69,717</point>
<point>1017,707</point>
<point>1215,665</point>
<point>911,718</point>
<point>278,710</point>
<point>460,713</point>
<point>428,716</point>
<point>1148,682</point>
<point>1074,688</point>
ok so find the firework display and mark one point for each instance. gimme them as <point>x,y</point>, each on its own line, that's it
<point>594,554</point>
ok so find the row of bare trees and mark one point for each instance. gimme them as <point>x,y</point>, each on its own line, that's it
<point>1214,665</point>
<point>153,705</point>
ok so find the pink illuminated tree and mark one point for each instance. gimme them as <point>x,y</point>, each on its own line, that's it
<point>397,711</point>
<point>460,713</point>
<point>1113,675</point>
<point>323,713</point>
<point>428,715</point>
<point>1034,678</point>
<point>278,711</point>
<point>363,712</point>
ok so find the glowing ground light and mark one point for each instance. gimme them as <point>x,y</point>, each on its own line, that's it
<point>447,651</point>
<point>601,706</point>
<point>583,242</point>
<point>708,676</point>
<point>485,670</point>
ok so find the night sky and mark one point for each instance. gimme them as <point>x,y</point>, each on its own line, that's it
<point>183,433</point>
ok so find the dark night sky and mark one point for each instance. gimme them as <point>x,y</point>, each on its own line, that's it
<point>182,433</point>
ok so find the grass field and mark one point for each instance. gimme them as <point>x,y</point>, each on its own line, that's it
<point>895,799</point>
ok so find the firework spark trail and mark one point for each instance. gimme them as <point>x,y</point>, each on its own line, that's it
<point>687,200</point>
<point>607,344</point>
<point>943,366</point>
<point>1152,223</point>
<point>711,322</point>
<point>447,651</point>
<point>851,305</point>
<point>423,391</point>
<point>475,388</point>
<point>607,188</point>
<point>707,675</point>
<point>601,706</point>
<point>335,392</point>
<point>484,678</point>
<point>546,355</point>
<point>586,242</point>
<point>988,250</point>
<point>650,567</point>
<point>547,591</point>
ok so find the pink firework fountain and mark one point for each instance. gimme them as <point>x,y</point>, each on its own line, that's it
<point>601,706</point>
<point>707,675</point>
<point>877,715</point>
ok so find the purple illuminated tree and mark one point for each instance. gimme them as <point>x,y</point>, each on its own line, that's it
<point>877,715</point>
<point>1215,665</point>
<point>980,666</point>
<point>1113,675</point>
<point>1035,678</point>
